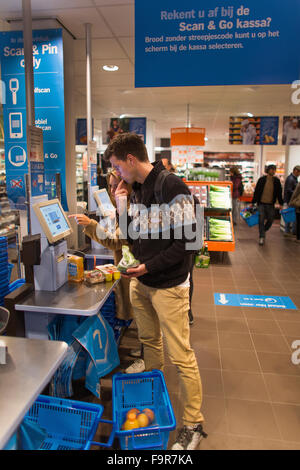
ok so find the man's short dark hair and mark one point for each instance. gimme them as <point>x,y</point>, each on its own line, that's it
<point>123,144</point>
<point>271,167</point>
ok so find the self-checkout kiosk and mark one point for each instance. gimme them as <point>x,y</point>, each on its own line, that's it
<point>50,221</point>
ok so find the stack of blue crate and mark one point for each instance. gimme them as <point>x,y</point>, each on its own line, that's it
<point>5,269</point>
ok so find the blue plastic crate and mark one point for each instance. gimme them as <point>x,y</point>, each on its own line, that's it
<point>252,220</point>
<point>289,214</point>
<point>14,285</point>
<point>70,424</point>
<point>10,268</point>
<point>145,390</point>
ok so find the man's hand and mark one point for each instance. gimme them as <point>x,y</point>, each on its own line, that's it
<point>136,272</point>
<point>80,219</point>
<point>121,196</point>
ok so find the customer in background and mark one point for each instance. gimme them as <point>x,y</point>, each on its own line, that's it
<point>114,242</point>
<point>295,202</point>
<point>168,165</point>
<point>159,288</point>
<point>237,191</point>
<point>267,191</point>
<point>289,187</point>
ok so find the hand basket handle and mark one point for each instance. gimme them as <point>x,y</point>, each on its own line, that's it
<point>110,439</point>
<point>159,442</point>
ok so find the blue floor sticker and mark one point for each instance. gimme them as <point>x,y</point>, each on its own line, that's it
<point>252,300</point>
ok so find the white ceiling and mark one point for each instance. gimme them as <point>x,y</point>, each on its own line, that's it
<point>114,93</point>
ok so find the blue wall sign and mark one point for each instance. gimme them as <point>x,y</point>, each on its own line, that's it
<point>216,42</point>
<point>252,300</point>
<point>49,109</point>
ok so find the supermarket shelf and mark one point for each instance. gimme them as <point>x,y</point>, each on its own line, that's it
<point>215,245</point>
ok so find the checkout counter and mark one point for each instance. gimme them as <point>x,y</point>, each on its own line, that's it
<point>47,260</point>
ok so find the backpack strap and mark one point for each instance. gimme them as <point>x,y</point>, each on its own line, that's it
<point>158,186</point>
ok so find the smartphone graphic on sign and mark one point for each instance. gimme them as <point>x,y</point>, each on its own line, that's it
<point>15,126</point>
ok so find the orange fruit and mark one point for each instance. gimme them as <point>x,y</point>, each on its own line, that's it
<point>132,414</point>
<point>149,413</point>
<point>143,420</point>
<point>130,424</point>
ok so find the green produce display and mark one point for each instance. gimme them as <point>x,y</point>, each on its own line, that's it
<point>219,230</point>
<point>219,197</point>
<point>127,261</point>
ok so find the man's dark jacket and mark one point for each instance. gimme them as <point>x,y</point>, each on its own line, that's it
<point>259,188</point>
<point>289,187</point>
<point>167,260</point>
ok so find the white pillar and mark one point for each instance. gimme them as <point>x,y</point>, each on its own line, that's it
<point>89,102</point>
<point>150,139</point>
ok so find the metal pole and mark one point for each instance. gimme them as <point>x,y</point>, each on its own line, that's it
<point>29,85</point>
<point>188,124</point>
<point>89,102</point>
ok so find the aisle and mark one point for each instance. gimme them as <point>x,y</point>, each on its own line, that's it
<point>251,387</point>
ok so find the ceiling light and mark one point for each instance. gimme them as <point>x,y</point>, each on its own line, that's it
<point>110,68</point>
<point>206,139</point>
<point>249,114</point>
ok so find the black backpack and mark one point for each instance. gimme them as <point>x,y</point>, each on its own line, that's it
<point>158,186</point>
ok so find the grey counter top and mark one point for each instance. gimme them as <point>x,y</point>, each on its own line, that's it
<point>70,299</point>
<point>30,366</point>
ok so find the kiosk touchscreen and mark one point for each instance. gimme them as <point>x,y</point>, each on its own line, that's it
<point>53,220</point>
<point>104,203</point>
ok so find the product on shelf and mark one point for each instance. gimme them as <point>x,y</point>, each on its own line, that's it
<point>94,276</point>
<point>220,197</point>
<point>109,271</point>
<point>75,268</point>
<point>219,229</point>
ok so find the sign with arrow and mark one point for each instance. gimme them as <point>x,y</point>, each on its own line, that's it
<point>252,300</point>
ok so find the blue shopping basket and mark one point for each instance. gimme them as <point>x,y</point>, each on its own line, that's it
<point>144,390</point>
<point>289,214</point>
<point>252,220</point>
<point>70,424</point>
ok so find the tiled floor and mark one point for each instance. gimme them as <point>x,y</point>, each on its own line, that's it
<point>251,387</point>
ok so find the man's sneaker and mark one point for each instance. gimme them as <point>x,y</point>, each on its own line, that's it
<point>261,241</point>
<point>135,352</point>
<point>189,437</point>
<point>136,367</point>
<point>288,234</point>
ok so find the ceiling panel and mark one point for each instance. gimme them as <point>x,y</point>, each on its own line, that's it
<point>120,19</point>
<point>75,18</point>
<point>58,4</point>
<point>125,67</point>
<point>101,49</point>
<point>113,2</point>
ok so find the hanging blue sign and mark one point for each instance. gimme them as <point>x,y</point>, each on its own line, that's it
<point>49,110</point>
<point>216,42</point>
<point>251,300</point>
